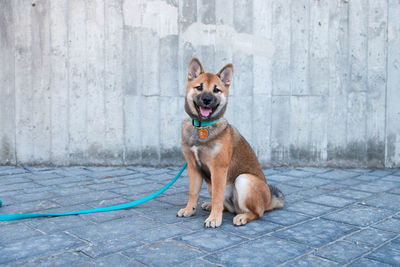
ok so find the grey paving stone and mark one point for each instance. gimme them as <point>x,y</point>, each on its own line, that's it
<point>171,253</point>
<point>359,215</point>
<point>340,185</point>
<point>29,207</point>
<point>136,179</point>
<point>299,173</point>
<point>395,191</point>
<point>84,198</point>
<point>376,186</point>
<point>108,234</point>
<point>168,215</point>
<point>304,194</point>
<point>108,202</point>
<point>253,229</point>
<point>37,176</point>
<point>67,259</point>
<point>391,225</point>
<point>311,261</point>
<point>255,253</point>
<point>34,196</point>
<point>349,193</point>
<point>179,199</point>
<point>109,216</point>
<point>351,181</point>
<point>210,240</point>
<point>308,208</point>
<point>332,201</point>
<point>385,201</point>
<point>17,231</point>
<point>315,170</point>
<point>109,173</point>
<point>21,186</point>
<point>8,196</point>
<point>338,174</point>
<point>341,251</point>
<point>163,232</point>
<point>138,189</point>
<point>38,246</point>
<point>284,217</point>
<point>360,170</point>
<point>15,179</point>
<point>60,180</point>
<point>381,173</point>
<point>367,178</point>
<point>287,189</point>
<point>155,171</point>
<point>113,229</point>
<point>56,224</point>
<point>364,262</point>
<point>393,178</point>
<point>309,182</point>
<point>70,191</point>
<point>198,263</point>
<point>106,186</point>
<point>11,171</point>
<point>117,260</point>
<point>280,178</point>
<point>268,172</point>
<point>109,246</point>
<point>389,253</point>
<point>371,237</point>
<point>315,233</point>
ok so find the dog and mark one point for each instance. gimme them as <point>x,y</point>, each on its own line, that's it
<point>216,153</point>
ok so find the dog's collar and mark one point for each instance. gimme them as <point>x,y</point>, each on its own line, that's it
<point>202,124</point>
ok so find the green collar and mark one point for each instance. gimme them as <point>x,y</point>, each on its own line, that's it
<point>202,124</point>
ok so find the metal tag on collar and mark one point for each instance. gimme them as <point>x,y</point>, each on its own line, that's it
<point>203,133</point>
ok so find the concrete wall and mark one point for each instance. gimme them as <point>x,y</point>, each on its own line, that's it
<point>317,82</point>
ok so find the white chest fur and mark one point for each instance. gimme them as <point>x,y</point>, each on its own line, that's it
<point>210,151</point>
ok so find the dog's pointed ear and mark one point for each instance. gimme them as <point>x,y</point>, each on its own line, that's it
<point>226,74</point>
<point>195,69</point>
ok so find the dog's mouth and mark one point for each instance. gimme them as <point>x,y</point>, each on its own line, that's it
<point>205,112</point>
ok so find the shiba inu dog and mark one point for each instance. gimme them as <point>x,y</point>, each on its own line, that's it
<point>217,153</point>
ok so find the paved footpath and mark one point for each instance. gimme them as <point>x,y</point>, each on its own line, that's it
<point>332,217</point>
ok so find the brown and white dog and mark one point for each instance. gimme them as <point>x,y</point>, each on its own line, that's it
<point>219,155</point>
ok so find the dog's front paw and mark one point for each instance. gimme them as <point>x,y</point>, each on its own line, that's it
<point>206,206</point>
<point>185,212</point>
<point>213,221</point>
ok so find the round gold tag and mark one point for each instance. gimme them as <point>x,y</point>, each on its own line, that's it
<point>203,133</point>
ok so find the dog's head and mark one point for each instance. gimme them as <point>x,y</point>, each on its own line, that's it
<point>207,93</point>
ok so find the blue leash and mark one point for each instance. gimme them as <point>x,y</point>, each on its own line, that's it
<point>11,217</point>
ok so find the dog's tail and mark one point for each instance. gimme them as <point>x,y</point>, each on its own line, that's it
<point>277,198</point>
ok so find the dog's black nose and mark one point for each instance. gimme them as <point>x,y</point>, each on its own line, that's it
<point>207,98</point>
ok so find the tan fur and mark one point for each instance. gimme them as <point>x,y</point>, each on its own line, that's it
<point>223,159</point>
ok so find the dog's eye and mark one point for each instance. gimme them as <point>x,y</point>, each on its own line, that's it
<point>216,90</point>
<point>199,88</point>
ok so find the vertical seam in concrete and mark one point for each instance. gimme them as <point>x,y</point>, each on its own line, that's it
<point>123,88</point>
<point>51,87</point>
<point>366,84</point>
<point>105,32</point>
<point>348,78</point>
<point>15,93</point>
<point>386,83</point>
<point>85,152</point>
<point>68,79</point>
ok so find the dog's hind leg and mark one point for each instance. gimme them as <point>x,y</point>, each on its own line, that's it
<point>251,194</point>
